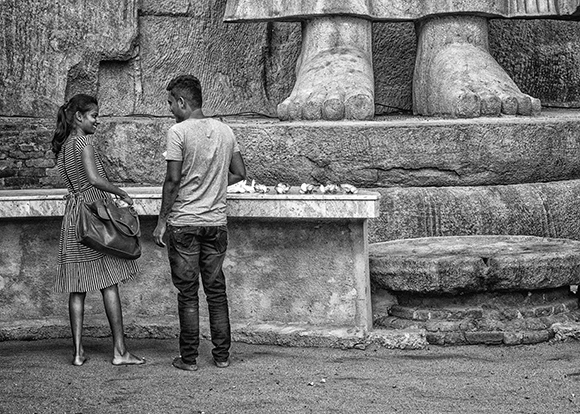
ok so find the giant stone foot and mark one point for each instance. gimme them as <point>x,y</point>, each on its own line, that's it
<point>456,75</point>
<point>334,74</point>
<point>334,84</point>
<point>469,83</point>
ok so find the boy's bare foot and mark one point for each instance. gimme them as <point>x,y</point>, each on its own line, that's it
<point>127,359</point>
<point>79,360</point>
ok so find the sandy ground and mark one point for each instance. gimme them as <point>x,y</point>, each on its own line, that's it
<point>36,377</point>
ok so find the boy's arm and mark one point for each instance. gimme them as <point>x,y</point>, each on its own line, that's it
<point>169,195</point>
<point>237,170</point>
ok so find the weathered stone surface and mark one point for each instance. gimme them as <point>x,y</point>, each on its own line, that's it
<point>131,79</point>
<point>394,50</point>
<point>566,330</point>
<point>487,338</point>
<point>454,72</point>
<point>540,209</point>
<point>395,9</point>
<point>274,277</point>
<point>52,50</point>
<point>455,75</point>
<point>242,68</point>
<point>391,151</point>
<point>541,56</point>
<point>398,339</point>
<point>334,73</point>
<point>443,265</point>
<point>399,151</point>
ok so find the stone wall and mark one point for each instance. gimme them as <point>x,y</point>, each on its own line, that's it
<point>126,52</point>
<point>129,51</point>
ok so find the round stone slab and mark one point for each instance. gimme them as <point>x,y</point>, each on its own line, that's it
<point>467,264</point>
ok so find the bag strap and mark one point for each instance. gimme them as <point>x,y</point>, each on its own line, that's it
<point>80,191</point>
<point>66,172</point>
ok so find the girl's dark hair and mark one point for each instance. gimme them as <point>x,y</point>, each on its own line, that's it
<point>65,118</point>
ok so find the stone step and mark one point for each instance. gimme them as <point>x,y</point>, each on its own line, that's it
<point>387,151</point>
<point>472,331</point>
<point>467,264</point>
<point>464,290</point>
<point>549,209</point>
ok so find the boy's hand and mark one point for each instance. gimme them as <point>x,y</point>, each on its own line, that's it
<point>158,234</point>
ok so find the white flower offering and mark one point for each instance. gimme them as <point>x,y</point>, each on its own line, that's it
<point>282,188</point>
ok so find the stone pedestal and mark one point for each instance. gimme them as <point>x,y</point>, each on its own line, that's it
<point>296,269</point>
<point>479,289</point>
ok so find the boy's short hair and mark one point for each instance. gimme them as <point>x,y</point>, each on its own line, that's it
<point>187,87</point>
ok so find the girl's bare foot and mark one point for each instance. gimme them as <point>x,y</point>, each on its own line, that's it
<point>79,360</point>
<point>127,359</point>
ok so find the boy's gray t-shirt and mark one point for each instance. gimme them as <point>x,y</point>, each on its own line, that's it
<point>205,148</point>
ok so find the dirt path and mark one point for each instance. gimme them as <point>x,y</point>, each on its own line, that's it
<point>35,377</point>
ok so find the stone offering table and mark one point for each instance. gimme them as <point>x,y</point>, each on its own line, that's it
<point>479,289</point>
<point>297,269</point>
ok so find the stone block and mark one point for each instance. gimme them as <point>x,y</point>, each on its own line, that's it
<point>513,338</point>
<point>403,339</point>
<point>486,338</point>
<point>446,338</point>
<point>441,326</point>
<point>402,312</point>
<point>60,54</point>
<point>547,209</point>
<point>566,330</point>
<point>306,272</point>
<point>242,68</point>
<point>463,264</point>
<point>541,56</point>
<point>425,168</point>
<point>535,337</point>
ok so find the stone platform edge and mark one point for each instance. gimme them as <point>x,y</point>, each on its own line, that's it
<point>361,205</point>
<point>282,335</point>
<point>292,335</point>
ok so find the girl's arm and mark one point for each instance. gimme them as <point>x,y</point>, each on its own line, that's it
<point>88,159</point>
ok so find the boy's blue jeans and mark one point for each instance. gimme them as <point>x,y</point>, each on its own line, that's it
<point>195,250</point>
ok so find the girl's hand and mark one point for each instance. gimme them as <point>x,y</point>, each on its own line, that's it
<point>125,197</point>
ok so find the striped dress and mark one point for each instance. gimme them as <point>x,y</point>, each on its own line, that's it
<point>80,268</point>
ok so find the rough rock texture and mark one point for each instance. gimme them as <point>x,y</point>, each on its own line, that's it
<point>52,50</point>
<point>246,67</point>
<point>455,75</point>
<point>392,151</point>
<point>541,56</point>
<point>242,68</point>
<point>381,154</point>
<point>478,289</point>
<point>462,264</point>
<point>540,209</point>
<point>565,331</point>
<point>334,74</point>
<point>395,9</point>
<point>394,52</point>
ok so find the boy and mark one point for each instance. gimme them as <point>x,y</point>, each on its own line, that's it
<point>203,158</point>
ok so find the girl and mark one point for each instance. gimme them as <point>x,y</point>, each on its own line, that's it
<point>81,269</point>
